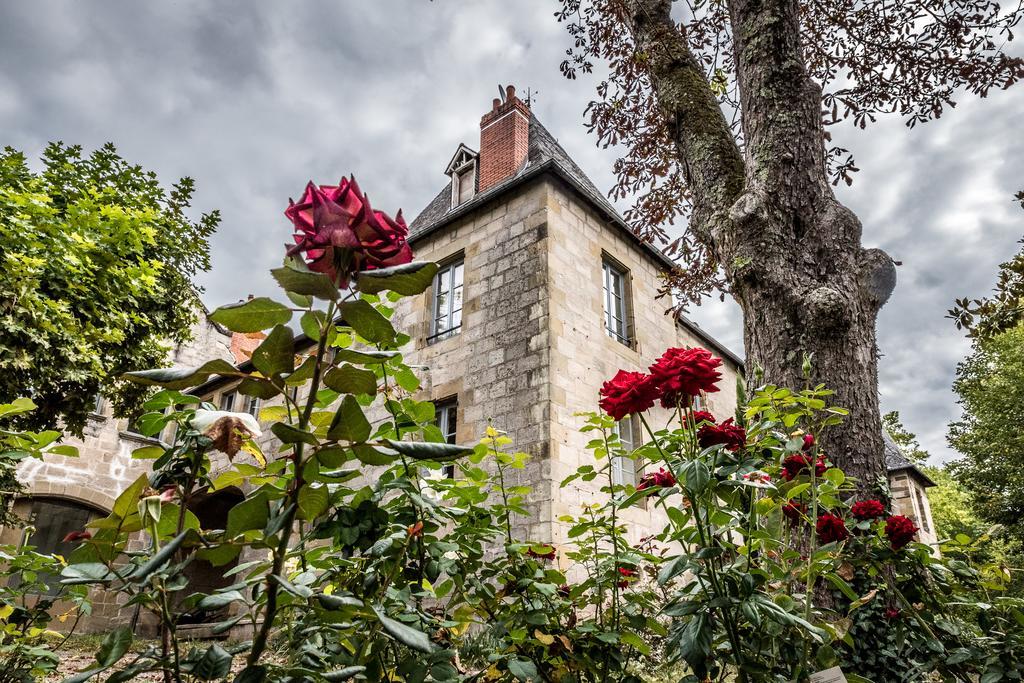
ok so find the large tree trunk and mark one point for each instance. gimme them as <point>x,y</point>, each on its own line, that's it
<point>791,252</point>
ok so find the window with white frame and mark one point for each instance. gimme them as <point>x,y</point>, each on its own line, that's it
<point>616,304</point>
<point>447,301</point>
<point>252,406</point>
<point>462,170</point>
<point>447,416</point>
<point>227,401</point>
<point>624,470</point>
<point>97,405</point>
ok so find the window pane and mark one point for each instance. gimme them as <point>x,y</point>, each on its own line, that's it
<point>252,406</point>
<point>227,401</point>
<point>447,304</point>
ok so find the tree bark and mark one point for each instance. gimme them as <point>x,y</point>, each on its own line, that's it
<point>790,250</point>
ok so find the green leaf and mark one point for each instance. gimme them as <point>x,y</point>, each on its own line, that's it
<point>697,476</point>
<point>253,315</point>
<point>523,669</point>
<point>695,641</point>
<point>312,501</point>
<point>408,279</point>
<point>84,676</point>
<point>162,557</point>
<point>276,354</point>
<point>17,406</point>
<point>406,635</point>
<point>366,321</point>
<point>425,450</point>
<point>289,434</point>
<point>348,379</point>
<point>842,585</point>
<point>215,663</point>
<point>215,601</point>
<point>252,513</point>
<point>251,674</point>
<point>364,357</point>
<point>310,323</point>
<point>86,573</point>
<point>337,602</point>
<point>114,646</point>
<point>295,277</point>
<point>183,378</point>
<point>369,455</point>
<point>348,673</point>
<point>349,423</point>
<point>298,591</point>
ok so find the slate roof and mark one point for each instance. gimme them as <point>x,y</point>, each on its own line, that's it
<point>544,154</point>
<point>896,461</point>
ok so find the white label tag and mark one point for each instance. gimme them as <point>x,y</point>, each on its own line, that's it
<point>833,675</point>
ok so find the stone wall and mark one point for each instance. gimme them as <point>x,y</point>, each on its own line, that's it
<point>910,499</point>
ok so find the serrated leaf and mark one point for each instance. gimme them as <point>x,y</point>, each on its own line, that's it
<point>348,379</point>
<point>523,669</point>
<point>312,501</point>
<point>298,279</point>
<point>349,423</point>
<point>183,378</point>
<point>276,354</point>
<point>406,635</point>
<point>114,646</point>
<point>425,450</point>
<point>408,279</point>
<point>253,315</point>
<point>366,321</point>
<point>214,664</point>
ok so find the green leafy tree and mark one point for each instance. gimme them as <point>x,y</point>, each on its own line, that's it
<point>990,434</point>
<point>905,439</point>
<point>96,268</point>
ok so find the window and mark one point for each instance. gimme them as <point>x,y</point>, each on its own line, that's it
<point>54,519</point>
<point>97,405</point>
<point>465,185</point>
<point>616,310</point>
<point>227,401</point>
<point>448,421</point>
<point>252,406</point>
<point>624,470</point>
<point>922,510</point>
<point>447,307</point>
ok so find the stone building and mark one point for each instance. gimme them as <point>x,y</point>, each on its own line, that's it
<point>542,294</point>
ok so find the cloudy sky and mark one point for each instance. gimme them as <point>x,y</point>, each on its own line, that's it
<point>252,99</point>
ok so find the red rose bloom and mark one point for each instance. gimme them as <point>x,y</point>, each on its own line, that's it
<point>662,478</point>
<point>892,613</point>
<point>900,531</point>
<point>340,233</point>
<point>702,416</point>
<point>77,536</point>
<point>733,436</point>
<point>867,509</point>
<point>808,441</point>
<point>564,590</point>
<point>831,529</point>
<point>548,555</point>
<point>686,372</point>
<point>794,512</point>
<point>799,463</point>
<point>627,576</point>
<point>628,393</point>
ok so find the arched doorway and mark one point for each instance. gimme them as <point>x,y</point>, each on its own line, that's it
<point>211,509</point>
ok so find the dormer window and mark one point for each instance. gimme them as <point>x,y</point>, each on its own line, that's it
<point>462,170</point>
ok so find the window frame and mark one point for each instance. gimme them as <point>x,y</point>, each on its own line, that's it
<point>612,271</point>
<point>628,444</point>
<point>449,268</point>
<point>446,417</point>
<point>230,397</point>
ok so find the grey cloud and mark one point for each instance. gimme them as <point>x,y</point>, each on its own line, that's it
<point>254,99</point>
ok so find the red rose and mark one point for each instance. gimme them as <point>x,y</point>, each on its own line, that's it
<point>892,613</point>
<point>700,416</point>
<point>77,536</point>
<point>900,531</point>
<point>733,436</point>
<point>831,529</point>
<point>794,512</point>
<point>799,463</point>
<point>549,554</point>
<point>686,372</point>
<point>867,509</point>
<point>341,234</point>
<point>808,441</point>
<point>662,478</point>
<point>628,393</point>
<point>627,576</point>
<point>564,590</point>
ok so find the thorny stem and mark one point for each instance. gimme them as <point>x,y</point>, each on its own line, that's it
<point>614,532</point>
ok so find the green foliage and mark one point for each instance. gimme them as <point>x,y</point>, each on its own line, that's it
<point>95,279</point>
<point>906,440</point>
<point>1001,311</point>
<point>990,434</point>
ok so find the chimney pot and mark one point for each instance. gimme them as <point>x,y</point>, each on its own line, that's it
<point>510,92</point>
<point>495,103</point>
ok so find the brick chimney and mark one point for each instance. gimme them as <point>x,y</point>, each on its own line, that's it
<point>504,138</point>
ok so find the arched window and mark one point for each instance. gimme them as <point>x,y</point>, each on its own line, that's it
<point>53,519</point>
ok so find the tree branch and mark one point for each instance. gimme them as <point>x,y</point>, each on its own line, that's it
<point>712,162</point>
